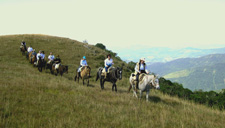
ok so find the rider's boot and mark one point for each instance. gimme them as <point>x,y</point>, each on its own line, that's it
<point>137,84</point>
<point>79,74</point>
<point>105,75</point>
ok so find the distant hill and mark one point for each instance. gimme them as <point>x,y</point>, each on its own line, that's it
<point>163,54</point>
<point>206,73</point>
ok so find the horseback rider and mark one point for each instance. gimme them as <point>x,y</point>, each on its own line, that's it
<point>23,44</point>
<point>57,62</point>
<point>29,49</point>
<point>51,58</point>
<point>108,63</point>
<point>40,55</point>
<point>34,53</point>
<point>140,67</point>
<point>83,62</point>
<point>43,56</point>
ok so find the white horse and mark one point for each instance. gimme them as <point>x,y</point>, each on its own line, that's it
<point>144,84</point>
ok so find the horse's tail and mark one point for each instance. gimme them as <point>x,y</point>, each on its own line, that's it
<point>97,77</point>
<point>98,73</point>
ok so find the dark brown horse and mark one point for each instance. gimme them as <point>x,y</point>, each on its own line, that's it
<point>49,66</point>
<point>62,69</point>
<point>113,75</point>
<point>33,59</point>
<point>84,74</point>
<point>40,64</point>
<point>23,49</point>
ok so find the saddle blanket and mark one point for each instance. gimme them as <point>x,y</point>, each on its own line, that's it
<point>57,66</point>
<point>103,71</point>
<point>141,76</point>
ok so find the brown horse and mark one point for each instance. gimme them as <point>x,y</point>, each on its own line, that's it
<point>29,56</point>
<point>32,58</point>
<point>84,74</point>
<point>62,69</point>
<point>23,49</point>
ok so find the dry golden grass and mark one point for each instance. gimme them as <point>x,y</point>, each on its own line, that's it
<point>29,98</point>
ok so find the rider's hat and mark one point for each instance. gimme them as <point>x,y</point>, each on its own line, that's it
<point>84,57</point>
<point>142,59</point>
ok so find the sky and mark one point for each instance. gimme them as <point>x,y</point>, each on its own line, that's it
<point>120,24</point>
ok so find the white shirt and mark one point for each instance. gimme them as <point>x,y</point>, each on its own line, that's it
<point>41,55</point>
<point>51,57</point>
<point>83,62</point>
<point>29,49</point>
<point>141,68</point>
<point>108,62</point>
<point>22,43</point>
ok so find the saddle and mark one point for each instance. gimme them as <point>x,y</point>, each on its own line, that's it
<point>82,68</point>
<point>141,76</point>
<point>109,70</point>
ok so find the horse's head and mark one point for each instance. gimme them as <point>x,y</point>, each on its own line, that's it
<point>155,82</point>
<point>119,72</point>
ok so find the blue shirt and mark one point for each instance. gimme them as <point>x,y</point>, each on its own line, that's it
<point>83,62</point>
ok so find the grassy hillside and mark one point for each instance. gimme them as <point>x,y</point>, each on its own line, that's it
<point>33,99</point>
<point>206,73</point>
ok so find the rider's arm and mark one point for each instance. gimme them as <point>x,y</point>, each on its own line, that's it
<point>86,63</point>
<point>49,57</point>
<point>81,63</point>
<point>136,68</point>
<point>112,62</point>
<point>105,63</point>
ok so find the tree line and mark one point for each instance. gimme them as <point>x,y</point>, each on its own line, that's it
<point>212,99</point>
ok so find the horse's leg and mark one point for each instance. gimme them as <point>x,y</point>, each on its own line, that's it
<point>115,87</point>
<point>87,82</point>
<point>147,93</point>
<point>134,91</point>
<point>52,71</point>
<point>56,72</point>
<point>101,83</point>
<point>97,77</point>
<point>75,78</point>
<point>129,88</point>
<point>83,81</point>
<point>140,94</point>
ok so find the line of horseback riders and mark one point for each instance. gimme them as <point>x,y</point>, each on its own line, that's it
<point>106,73</point>
<point>38,60</point>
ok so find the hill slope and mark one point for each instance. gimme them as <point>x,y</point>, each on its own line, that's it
<point>33,99</point>
<point>206,73</point>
